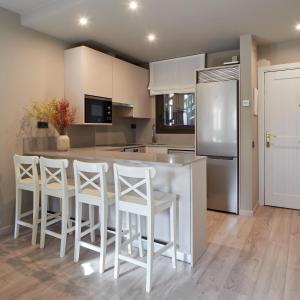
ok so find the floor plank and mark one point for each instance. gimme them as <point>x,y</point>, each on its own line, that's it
<point>292,283</point>
<point>247,258</point>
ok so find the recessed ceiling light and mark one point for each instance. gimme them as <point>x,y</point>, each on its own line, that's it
<point>133,5</point>
<point>151,37</point>
<point>298,27</point>
<point>83,21</point>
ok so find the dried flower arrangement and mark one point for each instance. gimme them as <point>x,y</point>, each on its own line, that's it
<point>58,112</point>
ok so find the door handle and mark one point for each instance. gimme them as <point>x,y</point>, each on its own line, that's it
<point>268,139</point>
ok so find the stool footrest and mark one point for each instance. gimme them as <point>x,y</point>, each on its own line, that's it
<point>163,249</point>
<point>53,221</point>
<point>133,261</point>
<point>134,237</point>
<point>111,240</point>
<point>89,230</point>
<point>54,234</point>
<point>71,229</point>
<point>27,213</point>
<point>90,246</point>
<point>25,224</point>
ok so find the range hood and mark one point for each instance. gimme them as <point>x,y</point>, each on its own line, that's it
<point>123,110</point>
<point>120,104</point>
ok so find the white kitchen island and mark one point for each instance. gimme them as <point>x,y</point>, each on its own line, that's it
<point>181,174</point>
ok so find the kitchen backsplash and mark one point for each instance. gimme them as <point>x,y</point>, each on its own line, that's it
<point>118,133</point>
<point>144,135</point>
<point>121,132</point>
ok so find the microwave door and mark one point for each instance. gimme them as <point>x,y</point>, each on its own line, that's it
<point>98,110</point>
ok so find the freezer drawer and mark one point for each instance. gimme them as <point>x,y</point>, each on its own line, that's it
<point>217,119</point>
<point>222,184</point>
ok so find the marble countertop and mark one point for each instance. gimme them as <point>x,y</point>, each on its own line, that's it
<point>171,147</point>
<point>108,153</point>
<point>174,147</point>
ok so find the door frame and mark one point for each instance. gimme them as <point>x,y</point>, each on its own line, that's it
<point>261,120</point>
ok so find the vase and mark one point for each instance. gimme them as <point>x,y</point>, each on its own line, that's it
<point>63,143</point>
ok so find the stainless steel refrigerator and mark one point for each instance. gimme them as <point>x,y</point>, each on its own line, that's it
<point>217,134</point>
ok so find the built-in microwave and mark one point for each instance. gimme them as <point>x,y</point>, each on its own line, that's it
<point>97,110</point>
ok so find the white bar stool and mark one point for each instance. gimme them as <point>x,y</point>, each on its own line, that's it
<point>139,198</point>
<point>27,179</point>
<point>54,183</point>
<point>91,189</point>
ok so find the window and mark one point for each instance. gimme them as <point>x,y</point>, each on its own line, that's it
<point>175,113</point>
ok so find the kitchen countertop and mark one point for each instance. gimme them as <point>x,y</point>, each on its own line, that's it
<point>120,147</point>
<point>174,147</point>
<point>117,147</point>
<point>107,153</point>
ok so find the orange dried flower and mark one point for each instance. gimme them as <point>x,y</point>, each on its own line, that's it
<point>62,116</point>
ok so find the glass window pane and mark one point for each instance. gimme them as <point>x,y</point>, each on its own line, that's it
<point>179,109</point>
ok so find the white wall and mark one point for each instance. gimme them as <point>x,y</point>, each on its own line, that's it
<point>279,53</point>
<point>216,59</point>
<point>248,127</point>
<point>31,68</point>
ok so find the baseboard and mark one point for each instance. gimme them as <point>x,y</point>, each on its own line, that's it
<point>255,208</point>
<point>248,213</point>
<point>6,230</point>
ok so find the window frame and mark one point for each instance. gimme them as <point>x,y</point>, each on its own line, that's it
<point>161,127</point>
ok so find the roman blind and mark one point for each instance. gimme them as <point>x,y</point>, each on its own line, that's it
<point>176,75</point>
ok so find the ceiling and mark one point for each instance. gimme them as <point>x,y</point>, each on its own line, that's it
<point>183,27</point>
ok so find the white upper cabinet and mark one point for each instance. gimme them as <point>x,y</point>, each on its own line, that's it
<point>123,82</point>
<point>91,72</point>
<point>130,86</point>
<point>98,73</point>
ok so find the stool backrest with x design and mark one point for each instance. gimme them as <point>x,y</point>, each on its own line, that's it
<point>132,180</point>
<point>90,177</point>
<point>26,170</point>
<point>54,174</point>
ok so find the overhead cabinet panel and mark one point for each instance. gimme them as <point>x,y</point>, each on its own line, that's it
<point>130,86</point>
<point>143,102</point>
<point>89,72</point>
<point>123,82</point>
<point>98,73</point>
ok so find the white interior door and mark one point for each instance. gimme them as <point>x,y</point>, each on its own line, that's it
<point>282,122</point>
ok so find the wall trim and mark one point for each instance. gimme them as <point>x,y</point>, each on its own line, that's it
<point>261,120</point>
<point>249,213</point>
<point>246,213</point>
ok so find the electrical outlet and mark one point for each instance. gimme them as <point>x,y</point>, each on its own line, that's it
<point>42,125</point>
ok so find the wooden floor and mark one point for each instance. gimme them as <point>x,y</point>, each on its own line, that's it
<point>247,258</point>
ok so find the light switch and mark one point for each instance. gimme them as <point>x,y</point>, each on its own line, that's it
<point>245,103</point>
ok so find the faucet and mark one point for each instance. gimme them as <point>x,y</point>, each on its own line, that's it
<point>154,140</point>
